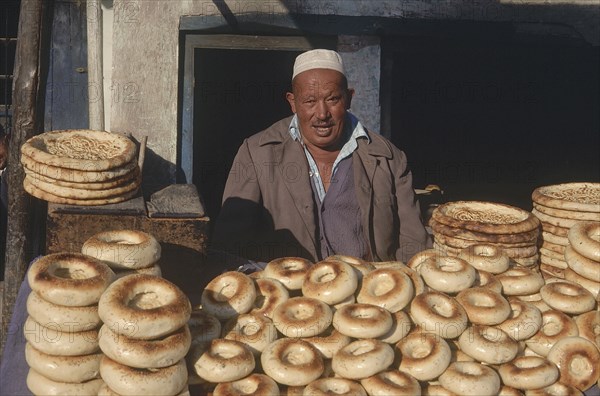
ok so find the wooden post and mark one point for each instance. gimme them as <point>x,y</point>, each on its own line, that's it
<point>95,77</point>
<point>28,112</point>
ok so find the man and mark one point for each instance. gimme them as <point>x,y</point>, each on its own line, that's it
<point>318,183</point>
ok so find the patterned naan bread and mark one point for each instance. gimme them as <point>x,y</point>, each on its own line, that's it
<point>49,197</point>
<point>80,149</point>
<point>583,197</point>
<point>487,217</point>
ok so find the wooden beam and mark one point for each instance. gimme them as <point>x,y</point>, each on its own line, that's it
<point>95,78</point>
<point>28,112</point>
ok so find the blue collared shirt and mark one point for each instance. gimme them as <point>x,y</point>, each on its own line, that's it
<point>349,147</point>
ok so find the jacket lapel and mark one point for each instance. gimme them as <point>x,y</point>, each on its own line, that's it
<point>364,169</point>
<point>293,171</point>
<point>366,160</point>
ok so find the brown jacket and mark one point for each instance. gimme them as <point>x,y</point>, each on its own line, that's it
<point>269,210</point>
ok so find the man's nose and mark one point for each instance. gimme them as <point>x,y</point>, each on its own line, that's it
<point>322,110</point>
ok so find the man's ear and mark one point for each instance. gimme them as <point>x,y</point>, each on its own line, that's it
<point>350,94</point>
<point>290,98</point>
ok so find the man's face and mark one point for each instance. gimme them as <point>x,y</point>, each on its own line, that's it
<point>320,99</point>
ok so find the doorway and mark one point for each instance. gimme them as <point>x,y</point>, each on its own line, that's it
<point>234,87</point>
<point>237,94</point>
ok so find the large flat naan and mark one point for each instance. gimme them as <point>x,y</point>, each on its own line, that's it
<point>105,185</point>
<point>516,238</point>
<point>582,197</point>
<point>81,149</point>
<point>83,194</point>
<point>46,196</point>
<point>74,175</point>
<point>459,241</point>
<point>555,239</point>
<point>556,221</point>
<point>567,214</point>
<point>485,217</point>
<point>511,251</point>
<point>556,230</point>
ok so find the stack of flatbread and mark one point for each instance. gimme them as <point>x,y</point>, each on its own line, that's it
<point>460,224</point>
<point>81,167</point>
<point>559,207</point>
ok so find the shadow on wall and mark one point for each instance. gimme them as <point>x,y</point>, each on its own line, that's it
<point>155,171</point>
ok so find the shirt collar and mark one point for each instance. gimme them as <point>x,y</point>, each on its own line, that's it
<point>358,131</point>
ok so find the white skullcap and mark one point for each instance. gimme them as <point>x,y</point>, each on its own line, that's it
<point>318,59</point>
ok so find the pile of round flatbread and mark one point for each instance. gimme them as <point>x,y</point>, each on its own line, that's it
<point>460,224</point>
<point>559,207</point>
<point>81,167</point>
<point>63,324</point>
<point>583,256</point>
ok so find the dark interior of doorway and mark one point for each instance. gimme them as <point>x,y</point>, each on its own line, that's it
<point>237,93</point>
<point>491,116</point>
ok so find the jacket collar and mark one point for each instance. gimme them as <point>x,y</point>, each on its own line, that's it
<point>277,133</point>
<point>376,147</point>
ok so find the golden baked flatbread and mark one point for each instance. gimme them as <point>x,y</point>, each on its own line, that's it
<point>521,237</point>
<point>455,243</point>
<point>450,251</point>
<point>464,243</point>
<point>121,181</point>
<point>556,230</point>
<point>81,149</point>
<point>83,194</point>
<point>486,217</point>
<point>531,261</point>
<point>557,240</point>
<point>567,214</point>
<point>558,263</point>
<point>77,176</point>
<point>555,221</point>
<point>46,196</point>
<point>560,249</point>
<point>549,253</point>
<point>581,197</point>
<point>551,271</point>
